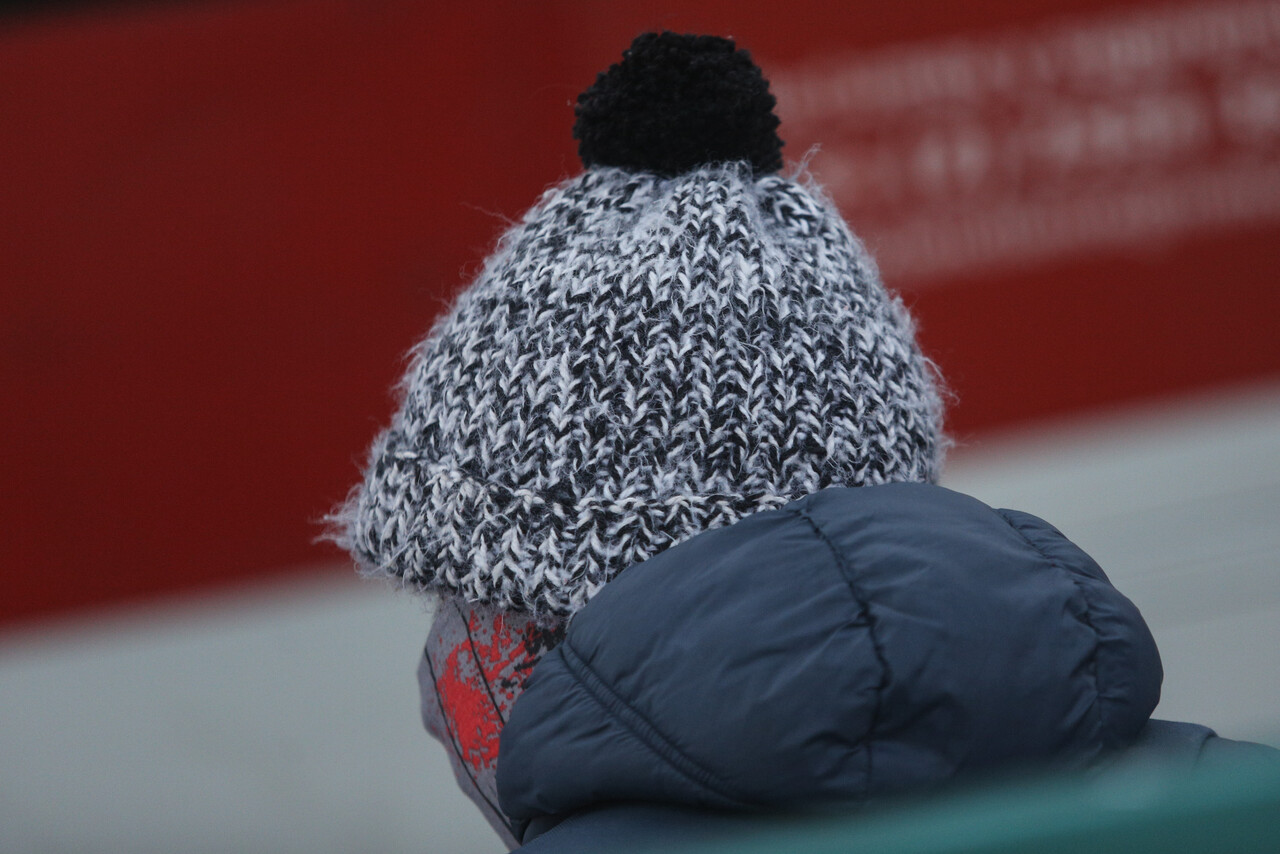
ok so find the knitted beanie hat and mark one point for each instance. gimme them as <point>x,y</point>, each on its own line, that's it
<point>674,339</point>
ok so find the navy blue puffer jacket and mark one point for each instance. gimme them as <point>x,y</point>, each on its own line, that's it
<point>853,644</point>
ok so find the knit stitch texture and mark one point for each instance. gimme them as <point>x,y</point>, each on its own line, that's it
<point>641,359</point>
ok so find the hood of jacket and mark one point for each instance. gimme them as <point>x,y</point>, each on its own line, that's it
<point>855,643</point>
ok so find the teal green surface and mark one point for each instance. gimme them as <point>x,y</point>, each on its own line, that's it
<point>1135,809</point>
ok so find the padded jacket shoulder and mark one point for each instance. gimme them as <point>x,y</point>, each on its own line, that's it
<point>855,643</point>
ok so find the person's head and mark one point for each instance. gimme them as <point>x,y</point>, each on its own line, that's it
<point>672,340</point>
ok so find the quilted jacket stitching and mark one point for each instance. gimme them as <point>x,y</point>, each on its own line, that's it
<point>864,612</point>
<point>1085,618</point>
<point>648,734</point>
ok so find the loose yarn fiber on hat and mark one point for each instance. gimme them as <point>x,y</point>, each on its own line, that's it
<point>644,357</point>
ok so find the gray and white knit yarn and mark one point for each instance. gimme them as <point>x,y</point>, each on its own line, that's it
<point>643,358</point>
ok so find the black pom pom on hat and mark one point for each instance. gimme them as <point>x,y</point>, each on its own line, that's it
<point>676,102</point>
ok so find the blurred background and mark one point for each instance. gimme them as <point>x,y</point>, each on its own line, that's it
<point>224,224</point>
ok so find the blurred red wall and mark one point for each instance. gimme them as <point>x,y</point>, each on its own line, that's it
<point>224,223</point>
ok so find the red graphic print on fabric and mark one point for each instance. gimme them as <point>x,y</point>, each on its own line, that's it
<point>483,674</point>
